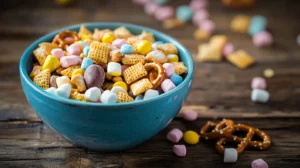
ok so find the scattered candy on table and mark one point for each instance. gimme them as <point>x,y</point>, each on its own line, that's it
<point>259,163</point>
<point>259,95</point>
<point>189,115</point>
<point>175,135</point>
<point>258,83</point>
<point>262,39</point>
<point>257,24</point>
<point>269,73</point>
<point>230,155</point>
<point>191,137</point>
<point>179,150</point>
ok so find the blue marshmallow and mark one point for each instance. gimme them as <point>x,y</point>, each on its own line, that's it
<point>184,12</point>
<point>86,63</point>
<point>257,24</point>
<point>176,79</point>
<point>127,49</point>
<point>139,97</point>
<point>86,50</point>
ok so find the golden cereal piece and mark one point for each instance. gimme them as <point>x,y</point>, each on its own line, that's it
<point>43,79</point>
<point>35,70</point>
<point>117,79</point>
<point>78,81</point>
<point>99,52</point>
<point>58,70</point>
<point>173,23</point>
<point>116,56</point>
<point>108,76</point>
<point>107,85</point>
<point>68,71</point>
<point>241,59</point>
<point>218,42</point>
<point>207,53</point>
<point>122,32</point>
<point>147,36</point>
<point>84,31</point>
<point>168,48</point>
<point>78,96</point>
<point>123,97</point>
<point>140,86</point>
<point>43,51</point>
<point>201,35</point>
<point>179,67</point>
<point>134,73</point>
<point>240,23</point>
<point>132,40</point>
<point>132,59</point>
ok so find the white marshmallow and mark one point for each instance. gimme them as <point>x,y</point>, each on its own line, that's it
<point>118,89</point>
<point>51,90</point>
<point>259,95</point>
<point>114,69</point>
<point>93,94</point>
<point>108,97</point>
<point>64,90</point>
<point>150,93</point>
<point>230,155</point>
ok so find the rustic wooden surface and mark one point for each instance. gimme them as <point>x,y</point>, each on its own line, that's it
<point>219,89</point>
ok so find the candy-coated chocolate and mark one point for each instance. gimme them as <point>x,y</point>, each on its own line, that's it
<point>127,49</point>
<point>86,62</point>
<point>259,163</point>
<point>94,76</point>
<point>176,79</point>
<point>191,137</point>
<point>184,12</point>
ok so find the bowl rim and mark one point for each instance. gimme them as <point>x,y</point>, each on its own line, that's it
<point>27,53</point>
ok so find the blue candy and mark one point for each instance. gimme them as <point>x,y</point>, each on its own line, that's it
<point>161,2</point>
<point>86,63</point>
<point>127,49</point>
<point>176,79</point>
<point>258,24</point>
<point>139,97</point>
<point>184,12</point>
<point>154,45</point>
<point>86,50</point>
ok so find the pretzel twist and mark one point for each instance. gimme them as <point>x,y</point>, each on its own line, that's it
<point>224,128</point>
<point>156,73</point>
<point>59,39</point>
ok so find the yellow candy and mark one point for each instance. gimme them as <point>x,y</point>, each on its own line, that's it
<point>173,58</point>
<point>144,47</point>
<point>114,73</point>
<point>191,137</point>
<point>51,63</point>
<point>78,71</point>
<point>108,37</point>
<point>121,84</point>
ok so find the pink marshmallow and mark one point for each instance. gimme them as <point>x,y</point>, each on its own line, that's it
<point>228,49</point>
<point>57,52</point>
<point>167,85</point>
<point>259,163</point>
<point>175,135</point>
<point>208,26</point>
<point>258,83</point>
<point>67,61</point>
<point>169,69</point>
<point>189,115</point>
<point>73,49</point>
<point>164,13</point>
<point>118,42</point>
<point>262,39</point>
<point>199,16</point>
<point>141,2</point>
<point>198,4</point>
<point>151,8</point>
<point>179,150</point>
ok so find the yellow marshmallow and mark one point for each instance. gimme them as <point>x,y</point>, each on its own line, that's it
<point>191,137</point>
<point>108,37</point>
<point>121,84</point>
<point>78,71</point>
<point>51,63</point>
<point>173,58</point>
<point>144,47</point>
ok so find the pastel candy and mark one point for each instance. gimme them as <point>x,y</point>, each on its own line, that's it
<point>51,90</point>
<point>257,24</point>
<point>93,94</point>
<point>119,42</point>
<point>62,80</point>
<point>57,52</point>
<point>173,58</point>
<point>126,49</point>
<point>51,63</point>
<point>151,8</point>
<point>151,93</point>
<point>198,4</point>
<point>64,90</point>
<point>189,115</point>
<point>167,85</point>
<point>169,69</point>
<point>175,135</point>
<point>176,79</point>
<point>73,49</point>
<point>259,163</point>
<point>184,13</point>
<point>228,49</point>
<point>118,89</point>
<point>259,95</point>
<point>67,61</point>
<point>108,97</point>
<point>164,13</point>
<point>208,26</point>
<point>114,69</point>
<point>86,62</point>
<point>199,16</point>
<point>179,150</point>
<point>154,45</point>
<point>86,50</point>
<point>94,76</point>
<point>139,97</point>
<point>230,155</point>
<point>262,39</point>
<point>258,83</point>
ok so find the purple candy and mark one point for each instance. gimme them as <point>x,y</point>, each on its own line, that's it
<point>199,16</point>
<point>259,163</point>
<point>262,39</point>
<point>175,135</point>
<point>94,76</point>
<point>258,83</point>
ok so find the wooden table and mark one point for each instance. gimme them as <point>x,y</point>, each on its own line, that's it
<point>219,89</point>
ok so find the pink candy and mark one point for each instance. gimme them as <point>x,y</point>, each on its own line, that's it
<point>179,150</point>
<point>175,135</point>
<point>259,163</point>
<point>57,52</point>
<point>228,49</point>
<point>69,60</point>
<point>73,49</point>
<point>118,42</point>
<point>164,13</point>
<point>198,4</point>
<point>199,16</point>
<point>262,39</point>
<point>208,26</point>
<point>167,85</point>
<point>258,83</point>
<point>151,8</point>
<point>189,115</point>
<point>169,69</point>
<point>141,2</point>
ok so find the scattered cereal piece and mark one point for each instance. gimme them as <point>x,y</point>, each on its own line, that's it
<point>176,79</point>
<point>262,39</point>
<point>78,81</point>
<point>240,23</point>
<point>179,150</point>
<point>167,85</point>
<point>228,49</point>
<point>132,59</point>
<point>134,73</point>
<point>68,72</point>
<point>261,96</point>
<point>140,86</point>
<point>184,13</point>
<point>191,137</point>
<point>64,90</point>
<point>122,32</point>
<point>209,53</point>
<point>78,96</point>
<point>43,79</point>
<point>230,155</point>
<point>94,76</point>
<point>179,67</point>
<point>201,34</point>
<point>258,83</point>
<point>122,97</point>
<point>84,31</point>
<point>35,70</point>
<point>175,135</point>
<point>269,73</point>
<point>99,52</point>
<point>62,80</point>
<point>108,97</point>
<point>259,163</point>
<point>258,24</point>
<point>93,94</point>
<point>173,23</point>
<point>107,85</point>
<point>189,115</point>
<point>240,59</point>
<point>150,93</point>
<point>168,48</point>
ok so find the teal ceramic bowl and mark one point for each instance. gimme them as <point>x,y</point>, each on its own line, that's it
<point>106,127</point>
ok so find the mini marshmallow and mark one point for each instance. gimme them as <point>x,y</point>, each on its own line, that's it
<point>262,39</point>
<point>114,69</point>
<point>259,95</point>
<point>150,93</point>
<point>93,94</point>
<point>62,80</point>
<point>167,85</point>
<point>189,115</point>
<point>228,49</point>
<point>86,50</point>
<point>207,26</point>
<point>119,42</point>
<point>259,163</point>
<point>184,12</point>
<point>57,52</point>
<point>176,79</point>
<point>51,90</point>
<point>199,16</point>
<point>198,4</point>
<point>67,61</point>
<point>164,13</point>
<point>86,62</point>
<point>258,83</point>
<point>179,150</point>
<point>169,69</point>
<point>73,49</point>
<point>230,155</point>
<point>64,90</point>
<point>175,135</point>
<point>108,97</point>
<point>139,97</point>
<point>151,8</point>
<point>117,89</point>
